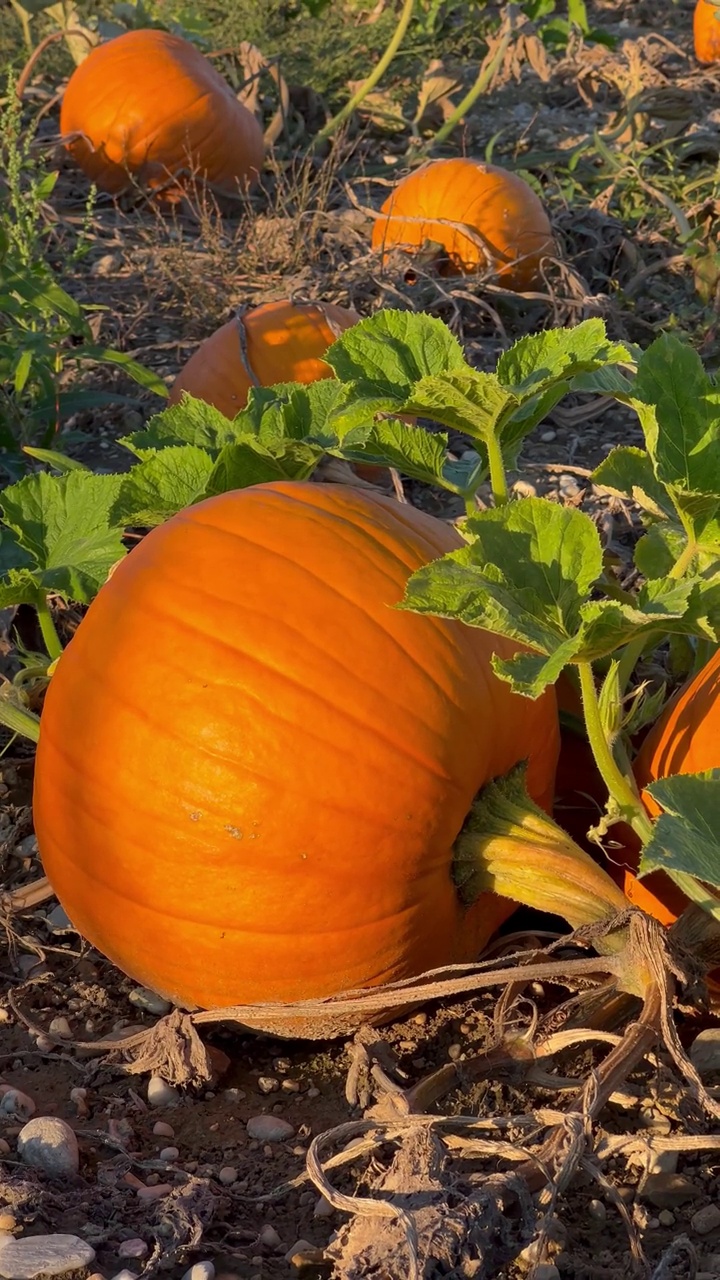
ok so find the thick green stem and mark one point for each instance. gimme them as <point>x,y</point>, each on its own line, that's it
<point>19,720</point>
<point>488,69</point>
<point>511,847</point>
<point>47,627</point>
<point>684,560</point>
<point>373,78</point>
<point>498,479</point>
<point>619,788</point>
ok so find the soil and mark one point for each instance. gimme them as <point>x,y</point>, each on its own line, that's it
<point>166,280</point>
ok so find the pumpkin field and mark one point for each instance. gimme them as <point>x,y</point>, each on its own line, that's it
<point>360,640</point>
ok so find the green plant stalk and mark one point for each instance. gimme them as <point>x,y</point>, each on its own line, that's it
<point>19,720</point>
<point>373,78</point>
<point>24,19</point>
<point>619,788</point>
<point>488,69</point>
<point>498,479</point>
<point>47,627</point>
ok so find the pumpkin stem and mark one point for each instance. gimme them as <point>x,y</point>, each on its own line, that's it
<point>47,628</point>
<point>376,74</point>
<point>511,847</point>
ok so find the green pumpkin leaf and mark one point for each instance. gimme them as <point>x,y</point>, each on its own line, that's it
<point>558,354</point>
<point>412,450</point>
<point>65,526</point>
<point>686,836</point>
<point>628,473</point>
<point>162,484</point>
<point>189,422</point>
<point>248,462</point>
<point>386,354</point>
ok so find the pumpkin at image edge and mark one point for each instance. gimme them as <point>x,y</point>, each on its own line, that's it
<point>285,342</point>
<point>147,106</point>
<point>252,768</point>
<point>500,207</point>
<point>706,31</point>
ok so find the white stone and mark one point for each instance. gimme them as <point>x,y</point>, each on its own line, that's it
<point>52,1255</point>
<point>269,1129</point>
<point>705,1051</point>
<point>161,1094</point>
<point>300,1246</point>
<point>169,1154</point>
<point>227,1176</point>
<point>200,1271</point>
<point>133,1248</point>
<point>269,1237</point>
<point>163,1130</point>
<point>49,1144</point>
<point>150,1001</point>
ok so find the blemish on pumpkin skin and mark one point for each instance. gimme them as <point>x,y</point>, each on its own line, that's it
<point>235,832</point>
<point>195,817</point>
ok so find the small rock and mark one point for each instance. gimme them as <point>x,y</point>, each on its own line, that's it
<point>51,1255</point>
<point>323,1208</point>
<point>163,1130</point>
<point>667,1190</point>
<point>146,1195</point>
<point>269,1129</point>
<point>161,1094</point>
<point>227,1176</point>
<point>125,1274</point>
<point>58,921</point>
<point>666,1218</point>
<point>79,1099</point>
<point>454,1052</point>
<point>200,1271</point>
<point>133,1248</point>
<point>4,1147</point>
<point>169,1154</point>
<point>705,1051</point>
<point>662,1162</point>
<point>547,437</point>
<point>597,1211</point>
<point>290,1086</point>
<point>49,1144</point>
<point>269,1237</point>
<point>568,486</point>
<point>313,1092</point>
<point>61,1027</point>
<point>16,1103</point>
<point>299,1247</point>
<point>150,1001</point>
<point>268,1084</point>
<point>706,1220</point>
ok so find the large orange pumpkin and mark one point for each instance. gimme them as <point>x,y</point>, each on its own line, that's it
<point>147,107</point>
<point>482,215</point>
<point>706,31</point>
<point>276,342</point>
<point>685,739</point>
<point>252,768</point>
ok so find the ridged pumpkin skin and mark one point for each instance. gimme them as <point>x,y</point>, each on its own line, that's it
<point>499,206</point>
<point>285,342</point>
<point>706,31</point>
<point>685,739</point>
<point>147,106</point>
<point>252,768</point>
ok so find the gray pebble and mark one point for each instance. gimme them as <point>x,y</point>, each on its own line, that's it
<point>169,1153</point>
<point>269,1237</point>
<point>706,1220</point>
<point>16,1103</point>
<point>61,1027</point>
<point>547,437</point>
<point>58,921</point>
<point>300,1246</point>
<point>269,1129</point>
<point>163,1130</point>
<point>132,1248</point>
<point>125,1274</point>
<point>666,1218</point>
<point>161,1094</point>
<point>227,1175</point>
<point>150,1001</point>
<point>51,1255</point>
<point>597,1211</point>
<point>49,1144</point>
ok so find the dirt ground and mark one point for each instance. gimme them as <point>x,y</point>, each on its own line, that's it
<point>221,1196</point>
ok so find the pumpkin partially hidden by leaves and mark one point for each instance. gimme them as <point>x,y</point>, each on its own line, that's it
<point>147,107</point>
<point>478,214</point>
<point>252,767</point>
<point>276,342</point>
<point>685,739</point>
<point>706,31</point>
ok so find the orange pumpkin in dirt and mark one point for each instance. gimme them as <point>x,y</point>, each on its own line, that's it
<point>706,31</point>
<point>252,768</point>
<point>685,739</point>
<point>147,108</point>
<point>276,342</point>
<point>484,217</point>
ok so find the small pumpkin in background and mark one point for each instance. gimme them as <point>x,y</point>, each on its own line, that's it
<point>706,31</point>
<point>148,108</point>
<point>481,215</point>
<point>276,342</point>
<point>685,739</point>
<point>263,807</point>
